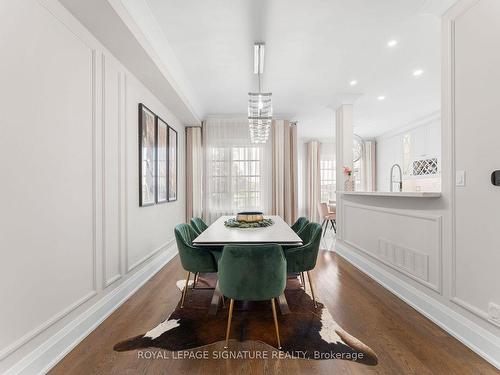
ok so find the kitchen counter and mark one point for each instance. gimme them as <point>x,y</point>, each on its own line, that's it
<point>397,194</point>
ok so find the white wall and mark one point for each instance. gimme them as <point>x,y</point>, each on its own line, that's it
<point>442,255</point>
<point>73,239</point>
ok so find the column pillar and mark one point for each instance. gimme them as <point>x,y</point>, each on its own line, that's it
<point>343,153</point>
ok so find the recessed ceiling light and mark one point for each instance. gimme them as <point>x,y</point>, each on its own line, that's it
<point>392,43</point>
<point>418,72</point>
<point>353,82</point>
<point>380,98</point>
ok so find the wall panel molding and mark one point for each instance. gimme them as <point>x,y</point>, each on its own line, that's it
<point>88,298</point>
<point>449,125</point>
<point>164,246</point>
<point>93,250</point>
<point>479,340</point>
<point>55,348</point>
<point>107,280</point>
<point>437,219</point>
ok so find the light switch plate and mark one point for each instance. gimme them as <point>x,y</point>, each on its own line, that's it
<point>460,178</point>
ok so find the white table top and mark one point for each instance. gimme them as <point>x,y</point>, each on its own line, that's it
<point>218,234</point>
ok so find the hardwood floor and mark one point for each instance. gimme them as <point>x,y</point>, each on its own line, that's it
<point>405,341</point>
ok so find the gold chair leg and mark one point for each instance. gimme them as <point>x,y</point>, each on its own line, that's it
<point>229,321</point>
<point>276,323</point>
<point>195,279</point>
<point>185,289</point>
<point>312,289</point>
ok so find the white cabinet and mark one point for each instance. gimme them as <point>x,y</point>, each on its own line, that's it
<point>426,142</point>
<point>419,143</point>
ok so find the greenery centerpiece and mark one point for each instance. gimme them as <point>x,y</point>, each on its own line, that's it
<point>248,220</point>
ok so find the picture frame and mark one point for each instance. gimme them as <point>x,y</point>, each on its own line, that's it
<point>172,164</point>
<point>147,156</point>
<point>162,130</point>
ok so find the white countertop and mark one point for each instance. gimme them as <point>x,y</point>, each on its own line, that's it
<point>403,194</point>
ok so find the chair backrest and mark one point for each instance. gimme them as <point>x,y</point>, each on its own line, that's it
<point>311,239</point>
<point>192,259</point>
<point>323,210</point>
<point>198,224</point>
<point>252,272</point>
<point>299,224</point>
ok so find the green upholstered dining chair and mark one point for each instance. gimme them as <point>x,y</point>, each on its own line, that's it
<point>303,258</point>
<point>300,224</point>
<point>252,273</point>
<point>198,224</point>
<point>193,259</point>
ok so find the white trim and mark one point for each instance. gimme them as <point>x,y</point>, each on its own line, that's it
<point>475,337</point>
<point>107,281</point>
<point>50,352</point>
<point>165,246</point>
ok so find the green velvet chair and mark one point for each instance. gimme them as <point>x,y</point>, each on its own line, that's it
<point>252,273</point>
<point>193,259</point>
<point>299,224</point>
<point>198,224</point>
<point>303,258</point>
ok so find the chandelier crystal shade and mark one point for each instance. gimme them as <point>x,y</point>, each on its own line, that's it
<point>260,106</point>
<point>260,115</point>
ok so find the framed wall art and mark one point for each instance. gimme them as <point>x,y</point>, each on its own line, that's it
<point>172,164</point>
<point>147,156</point>
<point>161,161</point>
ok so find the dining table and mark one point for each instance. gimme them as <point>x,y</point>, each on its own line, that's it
<point>218,235</point>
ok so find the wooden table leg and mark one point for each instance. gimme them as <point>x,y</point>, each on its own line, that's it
<point>283,304</point>
<point>214,305</point>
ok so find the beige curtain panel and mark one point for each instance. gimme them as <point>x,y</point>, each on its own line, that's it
<point>194,173</point>
<point>369,167</point>
<point>284,170</point>
<point>313,181</point>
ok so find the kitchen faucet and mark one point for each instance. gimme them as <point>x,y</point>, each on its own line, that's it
<point>400,183</point>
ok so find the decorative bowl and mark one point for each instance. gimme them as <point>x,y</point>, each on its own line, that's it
<point>250,217</point>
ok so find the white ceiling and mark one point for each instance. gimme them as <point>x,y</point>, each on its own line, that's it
<point>313,50</point>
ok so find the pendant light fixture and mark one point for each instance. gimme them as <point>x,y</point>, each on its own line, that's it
<point>260,108</point>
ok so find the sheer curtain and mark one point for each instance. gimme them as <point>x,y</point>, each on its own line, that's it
<point>194,172</point>
<point>368,167</point>
<point>313,180</point>
<point>237,172</point>
<point>284,170</point>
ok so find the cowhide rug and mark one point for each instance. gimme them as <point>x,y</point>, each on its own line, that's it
<point>306,332</point>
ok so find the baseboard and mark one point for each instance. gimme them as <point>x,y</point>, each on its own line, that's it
<point>466,331</point>
<point>50,352</point>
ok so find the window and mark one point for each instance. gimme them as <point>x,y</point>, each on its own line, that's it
<point>235,178</point>
<point>327,174</point>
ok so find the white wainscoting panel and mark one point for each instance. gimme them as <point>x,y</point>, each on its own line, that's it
<point>406,241</point>
<point>112,190</point>
<point>471,31</point>
<point>48,234</point>
<point>478,339</point>
<point>68,186</point>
